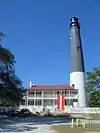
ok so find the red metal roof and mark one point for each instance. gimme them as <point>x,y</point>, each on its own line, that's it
<point>50,87</point>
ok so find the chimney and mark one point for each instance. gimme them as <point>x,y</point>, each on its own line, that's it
<point>30,85</point>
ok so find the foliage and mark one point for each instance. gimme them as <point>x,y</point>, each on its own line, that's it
<point>94,99</point>
<point>2,35</point>
<point>10,84</point>
<point>93,87</point>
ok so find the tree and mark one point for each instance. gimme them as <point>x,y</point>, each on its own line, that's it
<point>10,84</point>
<point>93,87</point>
<point>2,35</point>
<point>94,99</point>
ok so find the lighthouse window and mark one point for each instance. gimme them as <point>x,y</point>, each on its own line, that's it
<point>78,47</point>
<point>77,29</point>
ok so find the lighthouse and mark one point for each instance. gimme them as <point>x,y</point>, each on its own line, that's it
<point>77,69</point>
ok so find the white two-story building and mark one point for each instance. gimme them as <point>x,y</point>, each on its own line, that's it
<point>40,97</point>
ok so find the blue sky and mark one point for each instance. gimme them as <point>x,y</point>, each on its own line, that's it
<point>38,35</point>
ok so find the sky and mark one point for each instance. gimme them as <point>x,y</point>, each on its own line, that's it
<point>38,35</point>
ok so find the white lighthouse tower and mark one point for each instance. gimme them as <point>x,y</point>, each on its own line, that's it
<point>77,69</point>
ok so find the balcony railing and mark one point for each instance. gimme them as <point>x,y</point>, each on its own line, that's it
<point>34,95</point>
<point>48,96</point>
<point>51,96</point>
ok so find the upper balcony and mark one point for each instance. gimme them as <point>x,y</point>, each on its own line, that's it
<point>52,94</point>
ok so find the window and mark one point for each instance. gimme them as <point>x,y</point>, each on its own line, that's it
<point>55,102</point>
<point>66,92</point>
<point>38,93</point>
<point>38,102</point>
<point>75,100</point>
<point>72,101</point>
<point>31,93</point>
<point>30,102</point>
<point>78,47</point>
<point>63,92</point>
<point>74,92</point>
<point>59,93</point>
<point>23,102</point>
<point>65,102</point>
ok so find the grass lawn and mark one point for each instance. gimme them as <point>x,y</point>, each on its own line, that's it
<point>95,116</point>
<point>95,128</point>
<point>87,116</point>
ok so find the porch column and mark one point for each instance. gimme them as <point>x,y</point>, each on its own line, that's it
<point>42,99</point>
<point>27,98</point>
<point>54,100</point>
<point>34,98</point>
<point>69,97</point>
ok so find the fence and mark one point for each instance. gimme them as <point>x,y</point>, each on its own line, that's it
<point>86,110</point>
<point>72,110</point>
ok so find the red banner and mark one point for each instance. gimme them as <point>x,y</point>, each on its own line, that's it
<point>61,102</point>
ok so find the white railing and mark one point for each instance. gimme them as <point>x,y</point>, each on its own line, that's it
<point>53,97</point>
<point>83,110</point>
<point>67,109</point>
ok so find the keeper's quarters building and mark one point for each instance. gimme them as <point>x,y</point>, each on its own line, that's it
<point>46,96</point>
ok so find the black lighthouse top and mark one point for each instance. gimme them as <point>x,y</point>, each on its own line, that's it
<point>74,22</point>
<point>77,59</point>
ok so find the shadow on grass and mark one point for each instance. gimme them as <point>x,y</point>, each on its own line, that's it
<point>16,124</point>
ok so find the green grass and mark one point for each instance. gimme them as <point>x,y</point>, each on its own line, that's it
<point>87,116</point>
<point>95,116</point>
<point>95,128</point>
